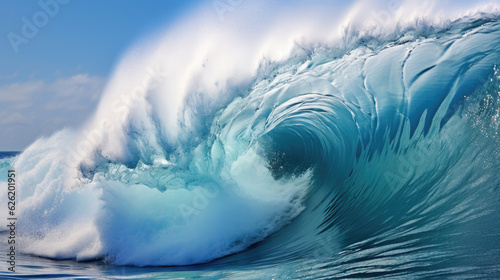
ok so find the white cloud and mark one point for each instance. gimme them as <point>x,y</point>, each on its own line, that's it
<point>78,84</point>
<point>38,108</point>
<point>15,118</point>
<point>20,91</point>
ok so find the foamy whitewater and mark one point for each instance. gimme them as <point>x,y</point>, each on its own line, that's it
<point>310,141</point>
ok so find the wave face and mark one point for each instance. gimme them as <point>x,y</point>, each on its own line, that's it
<point>377,155</point>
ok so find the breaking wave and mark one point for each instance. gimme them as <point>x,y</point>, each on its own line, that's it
<point>374,153</point>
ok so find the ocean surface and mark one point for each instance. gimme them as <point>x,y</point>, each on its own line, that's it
<point>376,155</point>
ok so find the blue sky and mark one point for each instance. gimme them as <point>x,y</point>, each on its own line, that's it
<point>53,77</point>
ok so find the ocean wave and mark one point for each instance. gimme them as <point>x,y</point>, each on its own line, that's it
<point>376,154</point>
